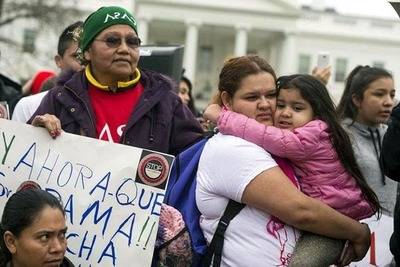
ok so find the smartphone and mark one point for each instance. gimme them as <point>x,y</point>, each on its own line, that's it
<point>323,60</point>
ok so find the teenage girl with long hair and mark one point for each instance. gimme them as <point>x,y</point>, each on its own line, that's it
<point>364,110</point>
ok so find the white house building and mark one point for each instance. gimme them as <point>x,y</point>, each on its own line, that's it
<point>289,35</point>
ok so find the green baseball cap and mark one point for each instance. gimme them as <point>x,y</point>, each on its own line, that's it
<point>103,18</point>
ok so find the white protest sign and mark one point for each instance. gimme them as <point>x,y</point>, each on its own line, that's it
<point>112,193</point>
<point>379,252</point>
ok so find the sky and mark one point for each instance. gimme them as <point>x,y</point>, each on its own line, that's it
<point>375,8</point>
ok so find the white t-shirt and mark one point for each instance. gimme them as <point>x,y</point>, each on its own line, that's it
<point>226,167</point>
<point>26,106</point>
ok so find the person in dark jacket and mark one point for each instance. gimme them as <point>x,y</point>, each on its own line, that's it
<point>33,229</point>
<point>390,158</point>
<point>111,99</point>
<point>10,94</point>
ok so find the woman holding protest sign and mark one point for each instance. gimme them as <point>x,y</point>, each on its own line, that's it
<point>112,99</point>
<point>260,234</point>
<point>33,230</point>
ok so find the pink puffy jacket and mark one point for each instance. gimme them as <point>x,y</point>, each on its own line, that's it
<point>317,166</point>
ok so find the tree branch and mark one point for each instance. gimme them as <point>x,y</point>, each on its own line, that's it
<point>15,17</point>
<point>1,7</point>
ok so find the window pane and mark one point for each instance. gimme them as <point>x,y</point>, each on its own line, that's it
<point>341,69</point>
<point>29,40</point>
<point>205,58</point>
<point>378,64</point>
<point>304,64</point>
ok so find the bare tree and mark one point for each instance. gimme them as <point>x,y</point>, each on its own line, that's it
<point>46,12</point>
<point>1,7</point>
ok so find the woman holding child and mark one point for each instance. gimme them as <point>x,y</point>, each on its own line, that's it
<point>261,235</point>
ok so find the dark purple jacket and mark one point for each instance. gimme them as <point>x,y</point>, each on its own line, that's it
<point>160,121</point>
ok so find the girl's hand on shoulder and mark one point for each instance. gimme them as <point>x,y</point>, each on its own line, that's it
<point>50,122</point>
<point>212,112</point>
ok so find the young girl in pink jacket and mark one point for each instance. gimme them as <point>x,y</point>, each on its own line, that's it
<point>307,131</point>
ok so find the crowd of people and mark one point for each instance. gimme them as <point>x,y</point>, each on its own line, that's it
<point>344,162</point>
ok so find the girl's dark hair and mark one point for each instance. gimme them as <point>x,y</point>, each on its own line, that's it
<point>19,213</point>
<point>238,68</point>
<point>356,83</point>
<point>191,103</point>
<point>316,94</point>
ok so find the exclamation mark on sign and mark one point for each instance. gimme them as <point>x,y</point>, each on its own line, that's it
<point>144,227</point>
<point>372,256</point>
<point>151,231</point>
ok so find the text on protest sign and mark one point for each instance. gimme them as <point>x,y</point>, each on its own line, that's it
<point>112,193</point>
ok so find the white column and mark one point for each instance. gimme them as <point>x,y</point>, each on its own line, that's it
<point>191,44</point>
<point>287,54</point>
<point>241,40</point>
<point>143,29</point>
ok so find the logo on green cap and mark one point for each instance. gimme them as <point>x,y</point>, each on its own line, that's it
<point>118,15</point>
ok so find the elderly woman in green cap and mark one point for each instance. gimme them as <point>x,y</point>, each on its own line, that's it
<point>112,99</point>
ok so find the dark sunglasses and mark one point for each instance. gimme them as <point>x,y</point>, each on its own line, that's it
<point>114,42</point>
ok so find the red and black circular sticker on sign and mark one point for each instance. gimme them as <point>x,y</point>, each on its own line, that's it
<point>153,169</point>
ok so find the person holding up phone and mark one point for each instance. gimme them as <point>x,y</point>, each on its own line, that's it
<point>323,69</point>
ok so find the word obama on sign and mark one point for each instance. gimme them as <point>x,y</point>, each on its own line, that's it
<point>112,193</point>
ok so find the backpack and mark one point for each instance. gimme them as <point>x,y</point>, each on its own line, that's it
<point>183,243</point>
<point>180,206</point>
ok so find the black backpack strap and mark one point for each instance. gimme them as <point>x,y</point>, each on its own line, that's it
<point>214,250</point>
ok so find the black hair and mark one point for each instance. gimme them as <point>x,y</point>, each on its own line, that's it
<point>19,213</point>
<point>67,36</point>
<point>315,93</point>
<point>191,104</point>
<point>356,83</point>
<point>187,81</point>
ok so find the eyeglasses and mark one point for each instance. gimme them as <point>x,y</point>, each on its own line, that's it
<point>114,42</point>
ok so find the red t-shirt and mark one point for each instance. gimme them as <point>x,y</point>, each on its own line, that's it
<point>112,110</point>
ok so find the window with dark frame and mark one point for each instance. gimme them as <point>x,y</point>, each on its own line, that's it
<point>205,58</point>
<point>304,64</point>
<point>340,69</point>
<point>378,64</point>
<point>29,40</point>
